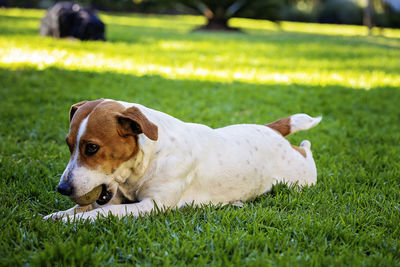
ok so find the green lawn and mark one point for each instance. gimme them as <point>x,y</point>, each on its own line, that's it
<point>352,215</point>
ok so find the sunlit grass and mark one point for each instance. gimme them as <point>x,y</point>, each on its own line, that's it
<point>163,45</point>
<point>42,58</point>
<point>325,29</point>
<point>349,218</point>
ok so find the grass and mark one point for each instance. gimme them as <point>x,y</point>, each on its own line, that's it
<point>351,217</point>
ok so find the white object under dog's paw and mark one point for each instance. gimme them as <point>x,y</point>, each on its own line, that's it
<point>238,204</point>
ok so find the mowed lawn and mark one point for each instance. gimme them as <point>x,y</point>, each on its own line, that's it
<point>350,217</point>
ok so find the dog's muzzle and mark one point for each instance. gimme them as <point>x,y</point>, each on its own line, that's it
<point>65,189</point>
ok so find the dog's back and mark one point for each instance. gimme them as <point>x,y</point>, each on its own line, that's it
<point>241,162</point>
<point>237,162</point>
<point>140,154</point>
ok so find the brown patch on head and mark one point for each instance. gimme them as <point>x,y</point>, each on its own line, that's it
<point>282,126</point>
<point>102,130</point>
<point>77,114</point>
<point>115,139</point>
<point>300,150</point>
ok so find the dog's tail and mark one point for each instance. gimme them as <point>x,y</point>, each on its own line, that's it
<point>294,123</point>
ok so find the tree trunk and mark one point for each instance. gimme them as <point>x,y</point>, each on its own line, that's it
<point>216,21</point>
<point>214,24</point>
<point>368,16</point>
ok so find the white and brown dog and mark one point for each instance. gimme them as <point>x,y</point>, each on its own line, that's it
<point>143,158</point>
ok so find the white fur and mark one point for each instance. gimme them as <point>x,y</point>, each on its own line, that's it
<point>82,129</point>
<point>301,122</point>
<point>194,164</point>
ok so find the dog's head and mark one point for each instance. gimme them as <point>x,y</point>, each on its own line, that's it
<point>103,135</point>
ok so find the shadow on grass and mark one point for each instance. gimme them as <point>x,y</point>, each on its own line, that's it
<point>119,32</point>
<point>34,98</point>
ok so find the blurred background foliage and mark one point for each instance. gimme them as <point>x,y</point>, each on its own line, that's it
<point>385,13</point>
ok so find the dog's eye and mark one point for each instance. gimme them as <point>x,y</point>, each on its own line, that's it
<point>91,149</point>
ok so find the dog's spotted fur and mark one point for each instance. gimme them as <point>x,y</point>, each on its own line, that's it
<point>147,157</point>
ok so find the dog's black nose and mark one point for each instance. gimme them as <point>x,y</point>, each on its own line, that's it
<point>65,189</point>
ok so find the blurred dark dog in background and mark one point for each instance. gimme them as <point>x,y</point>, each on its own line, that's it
<point>66,19</point>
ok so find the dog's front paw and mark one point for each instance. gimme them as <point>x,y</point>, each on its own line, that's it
<point>70,218</point>
<point>90,216</point>
<point>76,214</point>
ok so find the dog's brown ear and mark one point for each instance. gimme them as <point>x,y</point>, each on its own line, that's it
<point>133,122</point>
<point>89,107</point>
<point>74,108</point>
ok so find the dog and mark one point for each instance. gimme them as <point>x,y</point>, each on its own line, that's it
<point>145,159</point>
<point>66,19</point>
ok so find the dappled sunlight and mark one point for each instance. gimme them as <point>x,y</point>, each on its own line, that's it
<point>339,30</point>
<point>312,28</point>
<point>188,22</point>
<point>28,23</point>
<point>24,13</point>
<point>10,22</point>
<point>62,58</point>
<point>185,23</point>
<point>163,45</point>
